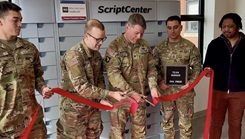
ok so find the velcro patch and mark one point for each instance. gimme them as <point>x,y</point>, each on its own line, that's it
<point>110,51</point>
<point>107,59</point>
<point>73,62</point>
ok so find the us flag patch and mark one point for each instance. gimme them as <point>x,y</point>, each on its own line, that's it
<point>110,51</point>
<point>107,59</point>
<point>73,62</point>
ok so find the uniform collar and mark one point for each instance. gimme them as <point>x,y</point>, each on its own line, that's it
<point>179,42</point>
<point>19,43</point>
<point>85,48</point>
<point>127,44</point>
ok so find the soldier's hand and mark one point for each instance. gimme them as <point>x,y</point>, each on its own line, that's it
<point>123,93</point>
<point>185,86</point>
<point>137,97</point>
<point>154,92</point>
<point>105,102</point>
<point>117,95</point>
<point>47,93</point>
<point>162,85</point>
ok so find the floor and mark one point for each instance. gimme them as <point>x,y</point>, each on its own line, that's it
<point>198,128</point>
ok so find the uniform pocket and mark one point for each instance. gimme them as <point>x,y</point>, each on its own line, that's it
<point>7,68</point>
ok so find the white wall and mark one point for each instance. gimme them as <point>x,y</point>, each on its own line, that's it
<point>238,7</point>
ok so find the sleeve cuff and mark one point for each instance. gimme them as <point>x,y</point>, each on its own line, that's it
<point>104,94</point>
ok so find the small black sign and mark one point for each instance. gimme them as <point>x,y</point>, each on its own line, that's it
<point>176,75</point>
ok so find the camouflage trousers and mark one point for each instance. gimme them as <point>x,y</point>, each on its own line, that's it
<point>119,117</point>
<point>82,123</point>
<point>38,131</point>
<point>185,109</point>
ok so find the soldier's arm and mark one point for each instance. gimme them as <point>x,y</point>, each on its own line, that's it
<point>195,64</point>
<point>113,67</point>
<point>74,64</point>
<point>152,73</point>
<point>38,70</point>
<point>156,57</point>
<point>101,79</point>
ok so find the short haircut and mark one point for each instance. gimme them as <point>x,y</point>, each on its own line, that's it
<point>235,17</point>
<point>6,6</point>
<point>93,23</point>
<point>173,18</point>
<point>137,19</point>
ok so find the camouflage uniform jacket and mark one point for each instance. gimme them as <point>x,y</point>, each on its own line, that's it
<point>129,66</point>
<point>184,53</point>
<point>20,74</point>
<point>82,73</point>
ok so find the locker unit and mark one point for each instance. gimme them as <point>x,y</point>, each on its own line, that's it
<point>42,36</point>
<point>41,11</point>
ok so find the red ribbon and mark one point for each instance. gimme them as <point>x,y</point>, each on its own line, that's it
<point>28,130</point>
<point>134,104</point>
<point>208,115</point>
<point>181,93</point>
<point>86,101</point>
<point>133,107</point>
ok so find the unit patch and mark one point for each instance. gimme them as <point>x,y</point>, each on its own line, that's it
<point>107,59</point>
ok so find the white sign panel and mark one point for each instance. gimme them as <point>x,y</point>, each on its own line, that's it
<point>73,10</point>
<point>121,10</point>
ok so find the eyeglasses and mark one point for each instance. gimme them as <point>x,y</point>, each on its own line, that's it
<point>98,39</point>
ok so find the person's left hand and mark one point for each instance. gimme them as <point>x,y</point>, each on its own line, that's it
<point>47,93</point>
<point>185,86</point>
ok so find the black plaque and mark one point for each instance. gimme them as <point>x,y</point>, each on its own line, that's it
<point>176,75</point>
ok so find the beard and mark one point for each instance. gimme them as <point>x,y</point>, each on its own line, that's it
<point>228,34</point>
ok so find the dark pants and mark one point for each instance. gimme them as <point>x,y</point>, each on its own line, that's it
<point>234,102</point>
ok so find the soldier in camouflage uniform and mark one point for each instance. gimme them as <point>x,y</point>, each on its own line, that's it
<point>82,75</point>
<point>20,74</point>
<point>177,51</point>
<point>130,64</point>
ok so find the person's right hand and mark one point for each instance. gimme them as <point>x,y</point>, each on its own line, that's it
<point>47,93</point>
<point>118,95</point>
